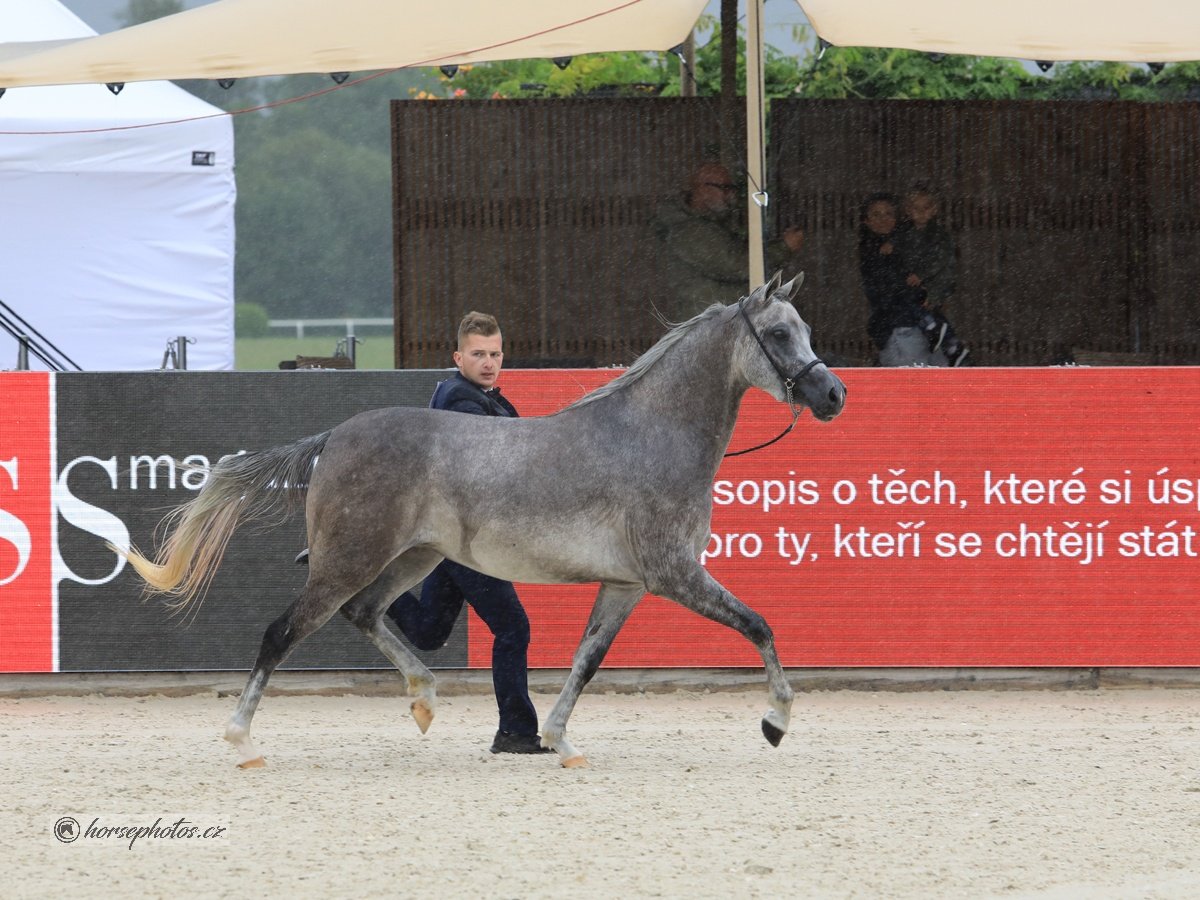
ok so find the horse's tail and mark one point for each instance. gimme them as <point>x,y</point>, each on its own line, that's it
<point>268,483</point>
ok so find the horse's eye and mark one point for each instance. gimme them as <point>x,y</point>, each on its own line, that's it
<point>780,334</point>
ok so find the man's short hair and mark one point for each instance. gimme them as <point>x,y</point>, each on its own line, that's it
<point>477,323</point>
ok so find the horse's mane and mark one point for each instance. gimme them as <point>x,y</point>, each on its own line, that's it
<point>646,361</point>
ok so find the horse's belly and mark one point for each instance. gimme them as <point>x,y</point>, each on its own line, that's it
<point>567,564</point>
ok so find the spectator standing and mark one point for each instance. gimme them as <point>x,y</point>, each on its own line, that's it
<point>894,305</point>
<point>705,255</point>
<point>926,250</point>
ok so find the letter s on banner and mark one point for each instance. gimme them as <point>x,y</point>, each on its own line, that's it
<point>13,529</point>
<point>90,518</point>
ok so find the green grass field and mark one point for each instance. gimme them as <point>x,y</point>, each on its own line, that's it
<point>256,354</point>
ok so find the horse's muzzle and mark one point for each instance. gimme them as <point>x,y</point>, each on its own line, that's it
<point>823,392</point>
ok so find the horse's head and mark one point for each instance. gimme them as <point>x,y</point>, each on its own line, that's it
<point>777,355</point>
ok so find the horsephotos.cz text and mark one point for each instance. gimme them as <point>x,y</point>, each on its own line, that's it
<point>68,830</point>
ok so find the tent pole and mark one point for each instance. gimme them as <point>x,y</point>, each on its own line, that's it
<point>755,132</point>
<point>731,150</point>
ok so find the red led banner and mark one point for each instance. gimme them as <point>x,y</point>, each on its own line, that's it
<point>26,588</point>
<point>981,517</point>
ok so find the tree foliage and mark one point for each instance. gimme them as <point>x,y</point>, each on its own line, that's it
<point>628,73</point>
<point>876,74</point>
<point>781,71</point>
<point>314,214</point>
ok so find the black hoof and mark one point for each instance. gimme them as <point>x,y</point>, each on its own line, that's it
<point>771,733</point>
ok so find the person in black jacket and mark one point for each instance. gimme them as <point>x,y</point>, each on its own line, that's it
<point>427,620</point>
<point>893,303</point>
<point>927,251</point>
<point>901,323</point>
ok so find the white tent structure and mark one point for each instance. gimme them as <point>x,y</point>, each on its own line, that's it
<point>118,231</point>
<point>241,38</point>
<point>1054,30</point>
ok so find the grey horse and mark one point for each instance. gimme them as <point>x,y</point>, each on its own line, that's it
<point>615,488</point>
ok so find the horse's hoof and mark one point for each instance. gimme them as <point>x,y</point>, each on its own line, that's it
<point>575,762</point>
<point>257,763</point>
<point>423,715</point>
<point>773,733</point>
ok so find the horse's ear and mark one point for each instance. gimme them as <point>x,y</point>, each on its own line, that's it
<point>765,292</point>
<point>759,295</point>
<point>792,288</point>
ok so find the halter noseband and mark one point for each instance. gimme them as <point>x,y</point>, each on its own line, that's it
<point>789,381</point>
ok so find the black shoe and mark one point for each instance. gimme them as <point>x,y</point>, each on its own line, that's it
<point>959,358</point>
<point>506,742</point>
<point>302,557</point>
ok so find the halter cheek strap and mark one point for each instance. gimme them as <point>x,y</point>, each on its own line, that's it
<point>789,382</point>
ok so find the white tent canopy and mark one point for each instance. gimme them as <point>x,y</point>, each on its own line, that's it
<point>116,237</point>
<point>243,38</point>
<point>1149,31</point>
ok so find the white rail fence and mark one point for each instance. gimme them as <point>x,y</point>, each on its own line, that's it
<point>351,325</point>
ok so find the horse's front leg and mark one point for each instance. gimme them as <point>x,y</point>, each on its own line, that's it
<point>613,605</point>
<point>691,586</point>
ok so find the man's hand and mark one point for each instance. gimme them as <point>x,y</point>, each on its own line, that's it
<point>793,238</point>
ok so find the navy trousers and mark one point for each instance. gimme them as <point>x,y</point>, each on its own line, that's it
<point>428,620</point>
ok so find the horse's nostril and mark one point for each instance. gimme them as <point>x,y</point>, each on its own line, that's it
<point>833,395</point>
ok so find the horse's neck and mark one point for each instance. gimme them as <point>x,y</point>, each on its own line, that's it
<point>694,385</point>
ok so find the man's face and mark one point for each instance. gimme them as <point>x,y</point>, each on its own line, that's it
<point>479,359</point>
<point>713,190</point>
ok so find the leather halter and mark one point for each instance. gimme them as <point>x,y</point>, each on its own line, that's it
<point>789,382</point>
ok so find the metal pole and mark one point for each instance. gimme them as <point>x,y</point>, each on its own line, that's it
<point>22,353</point>
<point>756,196</point>
<point>351,342</point>
<point>687,67</point>
<point>182,343</point>
<point>731,154</point>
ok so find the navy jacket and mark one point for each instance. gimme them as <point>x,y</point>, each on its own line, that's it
<point>893,303</point>
<point>459,394</point>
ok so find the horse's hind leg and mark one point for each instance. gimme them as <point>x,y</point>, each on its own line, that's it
<point>613,605</point>
<point>692,587</point>
<point>365,610</point>
<point>316,604</point>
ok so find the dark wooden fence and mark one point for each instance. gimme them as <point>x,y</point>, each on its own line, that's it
<point>1077,225</point>
<point>538,212</point>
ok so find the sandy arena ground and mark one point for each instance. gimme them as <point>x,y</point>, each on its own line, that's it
<point>962,794</point>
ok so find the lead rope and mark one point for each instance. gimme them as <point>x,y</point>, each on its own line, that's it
<point>788,384</point>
